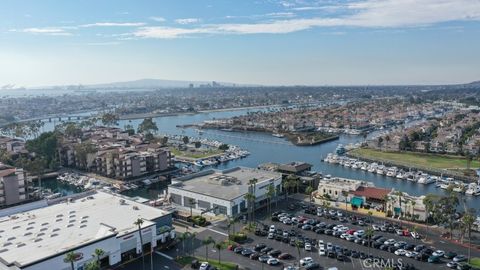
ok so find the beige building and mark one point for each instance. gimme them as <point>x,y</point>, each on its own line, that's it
<point>412,206</point>
<point>334,187</point>
<point>13,185</point>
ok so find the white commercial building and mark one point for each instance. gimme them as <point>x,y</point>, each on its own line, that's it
<point>37,236</point>
<point>224,192</point>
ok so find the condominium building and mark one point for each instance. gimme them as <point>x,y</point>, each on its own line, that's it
<point>13,185</point>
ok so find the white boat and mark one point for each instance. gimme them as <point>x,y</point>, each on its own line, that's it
<point>278,135</point>
<point>473,189</point>
<point>444,186</point>
<point>400,175</point>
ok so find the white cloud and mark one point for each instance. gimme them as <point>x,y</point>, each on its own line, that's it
<point>187,21</point>
<point>114,24</point>
<point>366,14</point>
<point>51,31</point>
<point>158,19</point>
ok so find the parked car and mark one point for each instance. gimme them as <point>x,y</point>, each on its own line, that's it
<point>460,258</point>
<point>434,259</point>
<point>273,261</point>
<point>264,258</point>
<point>284,256</point>
<point>312,266</point>
<point>306,261</point>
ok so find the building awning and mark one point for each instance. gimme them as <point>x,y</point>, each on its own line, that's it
<point>356,201</point>
<point>397,210</point>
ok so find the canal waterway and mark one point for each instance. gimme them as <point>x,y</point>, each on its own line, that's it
<point>267,148</point>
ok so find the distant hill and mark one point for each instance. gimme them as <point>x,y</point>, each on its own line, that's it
<point>475,83</point>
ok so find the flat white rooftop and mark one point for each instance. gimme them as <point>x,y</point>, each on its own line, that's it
<point>227,184</point>
<point>29,236</point>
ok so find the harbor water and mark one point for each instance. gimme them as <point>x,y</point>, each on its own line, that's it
<point>267,148</point>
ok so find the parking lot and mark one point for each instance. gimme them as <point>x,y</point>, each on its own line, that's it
<point>378,259</point>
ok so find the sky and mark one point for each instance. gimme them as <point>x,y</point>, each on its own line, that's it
<point>269,42</point>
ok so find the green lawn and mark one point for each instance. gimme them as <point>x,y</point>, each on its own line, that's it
<point>475,262</point>
<point>416,159</point>
<point>221,266</point>
<point>196,154</point>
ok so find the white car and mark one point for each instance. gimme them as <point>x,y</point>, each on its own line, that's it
<point>375,227</point>
<point>351,238</point>
<point>287,221</point>
<point>272,229</point>
<point>415,235</point>
<point>359,233</point>
<point>308,247</point>
<point>329,246</point>
<point>273,261</point>
<point>270,236</point>
<point>321,243</point>
<point>344,235</point>
<point>322,251</point>
<point>204,266</point>
<point>400,252</point>
<point>306,261</point>
<point>389,242</point>
<point>411,254</point>
<point>438,253</point>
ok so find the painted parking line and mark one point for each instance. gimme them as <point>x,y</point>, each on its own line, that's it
<point>215,231</point>
<point>164,255</point>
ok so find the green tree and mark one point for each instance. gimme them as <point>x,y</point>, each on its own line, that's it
<point>82,150</point>
<point>345,195</point>
<point>71,257</point>
<point>92,265</point>
<point>191,203</point>
<point>72,130</point>
<point>219,247</point>
<point>185,140</point>
<point>309,191</point>
<point>109,119</point>
<point>198,144</point>
<point>206,242</point>
<point>223,147</point>
<point>139,223</point>
<point>270,193</point>
<point>98,253</point>
<point>148,126</point>
<point>253,187</point>
<point>468,220</point>
<point>369,234</point>
<point>45,146</point>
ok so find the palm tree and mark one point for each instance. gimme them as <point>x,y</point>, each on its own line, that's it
<point>98,253</point>
<point>299,247</point>
<point>253,183</point>
<point>183,237</point>
<point>71,257</point>
<point>139,223</point>
<point>369,234</point>
<point>207,242</point>
<point>386,200</point>
<point>309,190</point>
<point>468,219</point>
<point>345,195</point>
<point>219,247</point>
<point>287,185</point>
<point>413,203</point>
<point>270,194</point>
<point>193,235</point>
<point>191,202</point>
<point>250,199</point>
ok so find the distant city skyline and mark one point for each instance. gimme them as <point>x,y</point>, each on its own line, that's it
<point>267,42</point>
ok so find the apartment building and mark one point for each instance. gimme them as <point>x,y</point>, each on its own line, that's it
<point>13,185</point>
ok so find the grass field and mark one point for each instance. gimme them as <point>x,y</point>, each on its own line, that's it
<point>416,159</point>
<point>221,266</point>
<point>196,154</point>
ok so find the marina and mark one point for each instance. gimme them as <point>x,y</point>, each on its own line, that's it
<point>277,150</point>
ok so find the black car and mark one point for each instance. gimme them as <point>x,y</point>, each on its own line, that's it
<point>247,252</point>
<point>312,266</point>
<point>331,254</point>
<point>363,256</point>
<point>419,248</point>
<point>422,257</point>
<point>376,237</point>
<point>274,253</point>
<point>259,247</point>
<point>255,255</point>
<point>238,249</point>
<point>355,254</point>
<point>450,255</point>
<point>266,249</point>
<point>392,249</point>
<point>427,251</point>
<point>409,247</point>
<point>341,257</point>
<point>384,247</point>
<point>377,244</point>
<point>293,242</point>
<point>286,239</point>
<point>328,232</point>
<point>346,252</point>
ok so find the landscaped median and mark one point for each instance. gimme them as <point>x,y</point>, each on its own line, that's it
<point>187,260</point>
<point>422,161</point>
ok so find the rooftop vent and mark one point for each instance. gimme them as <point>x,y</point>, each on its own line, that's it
<point>45,224</point>
<point>40,234</point>
<point>7,244</point>
<point>21,245</point>
<point>31,223</point>
<point>29,228</point>
<point>69,225</point>
<point>84,221</point>
<point>71,221</point>
<point>72,212</point>
<point>56,230</point>
<point>37,240</point>
<point>122,201</point>
<point>15,227</point>
<point>3,250</point>
<point>43,229</point>
<point>59,215</point>
<point>83,226</point>
<point>53,234</point>
<point>58,220</point>
<point>84,217</point>
<point>135,207</point>
<point>27,234</point>
<point>11,238</point>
